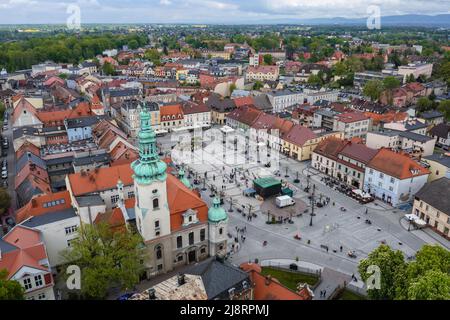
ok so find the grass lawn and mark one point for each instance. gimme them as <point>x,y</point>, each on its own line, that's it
<point>349,295</point>
<point>290,279</point>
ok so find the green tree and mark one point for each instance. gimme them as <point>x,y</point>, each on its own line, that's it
<point>5,200</point>
<point>2,110</point>
<point>154,56</point>
<point>133,44</point>
<point>424,104</point>
<point>444,107</point>
<point>410,78</point>
<point>391,83</point>
<point>391,264</point>
<point>434,285</point>
<point>258,85</point>
<point>108,69</point>
<point>106,259</point>
<point>268,59</point>
<point>432,258</point>
<point>10,289</point>
<point>315,79</point>
<point>373,89</point>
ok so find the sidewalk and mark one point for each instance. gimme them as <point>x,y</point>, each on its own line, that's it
<point>427,235</point>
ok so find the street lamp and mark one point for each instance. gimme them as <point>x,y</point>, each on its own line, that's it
<point>297,180</point>
<point>312,205</point>
<point>286,176</point>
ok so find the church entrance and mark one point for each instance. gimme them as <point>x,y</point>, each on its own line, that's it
<point>192,255</point>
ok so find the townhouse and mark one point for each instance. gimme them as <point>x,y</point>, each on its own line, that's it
<point>413,143</point>
<point>172,117</point>
<point>394,177</point>
<point>196,115</point>
<point>352,124</point>
<point>262,73</point>
<point>432,205</point>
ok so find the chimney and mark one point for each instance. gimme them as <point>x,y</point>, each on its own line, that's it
<point>33,203</point>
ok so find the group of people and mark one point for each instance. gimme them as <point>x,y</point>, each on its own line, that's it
<point>323,293</point>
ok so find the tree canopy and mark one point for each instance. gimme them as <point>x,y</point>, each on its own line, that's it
<point>106,259</point>
<point>373,89</point>
<point>10,289</point>
<point>426,278</point>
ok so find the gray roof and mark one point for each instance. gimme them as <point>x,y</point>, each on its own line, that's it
<point>431,114</point>
<point>93,200</point>
<point>101,158</point>
<point>50,217</point>
<point>83,122</point>
<point>442,130</point>
<point>29,157</point>
<point>436,194</point>
<point>123,92</point>
<point>220,104</point>
<point>416,125</point>
<point>218,277</point>
<point>6,247</point>
<point>439,158</point>
<point>262,102</point>
<point>414,136</point>
<point>61,160</point>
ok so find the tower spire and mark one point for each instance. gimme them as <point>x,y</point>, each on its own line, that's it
<point>149,166</point>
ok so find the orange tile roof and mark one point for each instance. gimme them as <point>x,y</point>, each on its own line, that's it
<point>37,175</point>
<point>170,110</point>
<point>100,179</point>
<point>350,117</point>
<point>36,206</point>
<point>270,288</point>
<point>398,165</point>
<point>387,117</point>
<point>30,250</point>
<point>22,106</point>
<point>180,199</point>
<point>244,101</point>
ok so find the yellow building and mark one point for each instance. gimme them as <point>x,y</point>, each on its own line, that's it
<point>300,142</point>
<point>439,166</point>
<point>432,205</point>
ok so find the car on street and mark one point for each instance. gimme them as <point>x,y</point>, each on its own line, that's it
<point>4,174</point>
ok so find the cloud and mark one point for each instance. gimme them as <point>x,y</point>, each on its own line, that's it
<point>206,11</point>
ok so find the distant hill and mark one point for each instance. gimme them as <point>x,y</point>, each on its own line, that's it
<point>442,20</point>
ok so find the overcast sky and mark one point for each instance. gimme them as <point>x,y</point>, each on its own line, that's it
<point>206,11</point>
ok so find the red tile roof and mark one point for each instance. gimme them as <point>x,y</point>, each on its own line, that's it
<point>330,147</point>
<point>100,179</point>
<point>246,114</point>
<point>299,135</point>
<point>397,165</point>
<point>244,101</point>
<point>39,205</point>
<point>263,69</point>
<point>30,251</point>
<point>350,117</point>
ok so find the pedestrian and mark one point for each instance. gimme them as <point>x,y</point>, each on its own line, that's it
<point>333,203</point>
<point>324,293</point>
<point>341,248</point>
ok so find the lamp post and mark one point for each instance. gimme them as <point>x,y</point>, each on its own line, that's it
<point>312,205</point>
<point>297,180</point>
<point>286,175</point>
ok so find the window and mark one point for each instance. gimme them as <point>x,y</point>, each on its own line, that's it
<point>158,253</point>
<point>131,194</point>
<point>203,250</point>
<point>221,231</point>
<point>202,235</point>
<point>114,199</point>
<point>157,224</point>
<point>191,238</point>
<point>41,296</point>
<point>180,258</point>
<point>69,242</point>
<point>155,204</point>
<point>27,283</point>
<point>160,267</point>
<point>179,242</point>
<point>391,189</point>
<point>71,230</point>
<point>392,180</point>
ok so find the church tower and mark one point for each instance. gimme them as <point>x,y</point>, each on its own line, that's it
<point>218,228</point>
<point>151,207</point>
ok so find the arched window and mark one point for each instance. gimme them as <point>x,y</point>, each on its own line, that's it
<point>158,252</point>
<point>156,203</point>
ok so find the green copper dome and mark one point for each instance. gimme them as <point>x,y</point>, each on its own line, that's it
<point>148,167</point>
<point>216,213</point>
<point>183,178</point>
